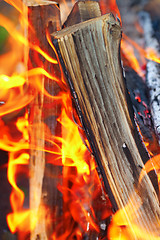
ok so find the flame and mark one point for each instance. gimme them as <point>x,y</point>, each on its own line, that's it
<point>14,89</point>
<point>18,89</point>
<point>128,51</point>
<point>17,195</point>
<point>79,171</point>
<point>110,6</point>
<point>152,55</point>
<point>152,164</point>
<point>80,185</point>
<point>18,36</point>
<point>73,156</point>
<point>18,4</point>
<point>144,54</point>
<point>121,226</point>
<point>124,224</point>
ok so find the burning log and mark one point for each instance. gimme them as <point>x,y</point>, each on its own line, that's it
<point>89,53</point>
<point>153,71</point>
<point>43,16</point>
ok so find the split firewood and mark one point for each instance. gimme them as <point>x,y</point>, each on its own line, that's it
<point>42,16</point>
<point>89,53</point>
<point>83,11</point>
<point>153,71</point>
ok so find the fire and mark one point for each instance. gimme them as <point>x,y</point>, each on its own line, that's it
<point>17,35</point>
<point>152,55</point>
<point>18,4</point>
<point>152,164</point>
<point>79,169</point>
<point>122,229</point>
<point>85,203</point>
<point>128,49</point>
<point>16,218</point>
<point>110,6</point>
<point>128,52</point>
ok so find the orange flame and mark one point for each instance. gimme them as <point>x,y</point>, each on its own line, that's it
<point>149,53</point>
<point>128,51</point>
<point>17,195</point>
<point>79,168</point>
<point>81,186</point>
<point>110,6</point>
<point>9,26</point>
<point>18,4</point>
<point>124,224</point>
<point>152,164</point>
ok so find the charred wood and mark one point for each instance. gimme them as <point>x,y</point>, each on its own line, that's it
<point>138,92</point>
<point>153,71</point>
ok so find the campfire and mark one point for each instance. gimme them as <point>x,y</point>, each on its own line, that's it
<point>80,121</point>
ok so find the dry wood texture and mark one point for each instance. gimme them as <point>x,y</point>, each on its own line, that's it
<point>83,11</point>
<point>90,56</point>
<point>42,16</point>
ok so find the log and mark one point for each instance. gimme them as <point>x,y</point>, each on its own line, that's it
<point>89,54</point>
<point>153,71</point>
<point>45,199</point>
<point>81,12</point>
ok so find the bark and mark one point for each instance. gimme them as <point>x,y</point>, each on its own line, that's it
<point>44,196</point>
<point>90,57</point>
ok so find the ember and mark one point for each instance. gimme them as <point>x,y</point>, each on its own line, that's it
<point>78,165</point>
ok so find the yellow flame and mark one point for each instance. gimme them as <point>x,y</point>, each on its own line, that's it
<point>7,82</point>
<point>152,164</point>
<point>129,54</point>
<point>18,4</point>
<point>149,53</point>
<point>10,27</point>
<point>17,195</point>
<point>152,55</point>
<point>124,224</point>
<point>72,156</point>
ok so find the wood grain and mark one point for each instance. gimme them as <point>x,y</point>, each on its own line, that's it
<point>44,196</point>
<point>90,57</point>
